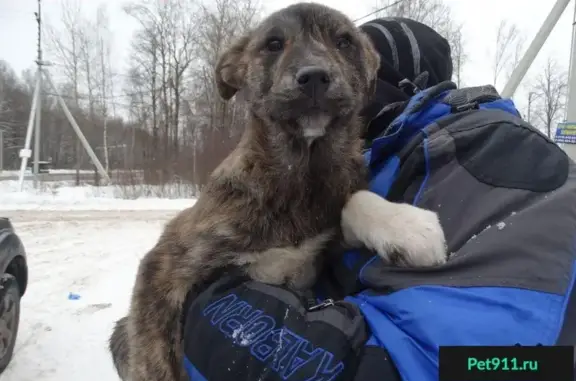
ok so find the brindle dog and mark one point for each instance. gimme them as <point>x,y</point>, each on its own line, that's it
<point>278,198</point>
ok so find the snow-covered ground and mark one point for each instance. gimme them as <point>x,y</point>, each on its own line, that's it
<point>93,254</point>
<point>81,241</point>
<point>63,196</point>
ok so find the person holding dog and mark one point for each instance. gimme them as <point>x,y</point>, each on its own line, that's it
<point>506,197</point>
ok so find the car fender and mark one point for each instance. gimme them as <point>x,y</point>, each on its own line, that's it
<point>13,255</point>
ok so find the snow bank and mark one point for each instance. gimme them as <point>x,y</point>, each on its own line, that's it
<point>93,255</point>
<point>62,196</point>
<point>28,172</point>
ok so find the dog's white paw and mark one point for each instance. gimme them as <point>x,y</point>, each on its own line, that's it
<point>399,233</point>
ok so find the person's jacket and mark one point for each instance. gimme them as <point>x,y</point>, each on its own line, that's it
<point>506,197</point>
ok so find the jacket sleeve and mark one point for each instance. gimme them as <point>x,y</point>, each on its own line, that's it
<point>244,330</point>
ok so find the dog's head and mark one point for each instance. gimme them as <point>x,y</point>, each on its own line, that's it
<point>304,67</point>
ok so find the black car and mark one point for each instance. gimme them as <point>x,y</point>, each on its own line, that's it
<point>13,282</point>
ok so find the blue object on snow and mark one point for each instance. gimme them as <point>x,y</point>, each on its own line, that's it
<point>72,296</point>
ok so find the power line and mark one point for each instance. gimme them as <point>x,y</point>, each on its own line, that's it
<point>379,10</point>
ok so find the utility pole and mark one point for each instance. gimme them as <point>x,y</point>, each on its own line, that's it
<point>37,132</point>
<point>35,113</point>
<point>571,101</point>
<point>527,60</point>
<point>534,48</point>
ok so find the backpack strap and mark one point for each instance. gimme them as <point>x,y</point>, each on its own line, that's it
<point>419,111</point>
<point>470,98</point>
<point>418,103</point>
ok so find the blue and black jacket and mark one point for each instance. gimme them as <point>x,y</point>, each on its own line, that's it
<point>506,197</point>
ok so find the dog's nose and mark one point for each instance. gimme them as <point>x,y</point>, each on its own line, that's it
<point>313,80</point>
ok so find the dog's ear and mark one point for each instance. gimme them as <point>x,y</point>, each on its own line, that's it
<point>371,63</point>
<point>231,69</point>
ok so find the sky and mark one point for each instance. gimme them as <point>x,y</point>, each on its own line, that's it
<point>480,18</point>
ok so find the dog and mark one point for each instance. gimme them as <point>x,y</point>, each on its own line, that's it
<point>295,183</point>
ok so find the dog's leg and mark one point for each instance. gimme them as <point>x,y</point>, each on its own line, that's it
<point>294,266</point>
<point>165,276</point>
<point>415,234</point>
<point>155,339</point>
<point>119,348</point>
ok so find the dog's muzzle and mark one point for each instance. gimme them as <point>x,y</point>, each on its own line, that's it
<point>313,81</point>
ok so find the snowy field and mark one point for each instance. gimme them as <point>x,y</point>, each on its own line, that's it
<point>27,172</point>
<point>61,196</point>
<point>87,244</point>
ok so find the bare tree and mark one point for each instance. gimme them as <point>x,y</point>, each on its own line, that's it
<point>78,46</point>
<point>163,51</point>
<point>459,55</point>
<point>515,56</point>
<point>145,81</point>
<point>103,52</point>
<point>221,22</point>
<point>5,76</point>
<point>550,90</point>
<point>14,104</point>
<point>171,86</point>
<point>506,40</point>
<point>65,43</point>
<point>181,37</point>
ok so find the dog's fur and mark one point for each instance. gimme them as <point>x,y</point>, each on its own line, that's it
<point>278,199</point>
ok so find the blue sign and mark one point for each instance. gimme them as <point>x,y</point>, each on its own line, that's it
<point>566,133</point>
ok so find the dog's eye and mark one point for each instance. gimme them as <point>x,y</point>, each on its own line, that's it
<point>274,45</point>
<point>343,42</point>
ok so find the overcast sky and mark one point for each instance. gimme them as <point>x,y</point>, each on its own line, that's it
<point>480,18</point>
